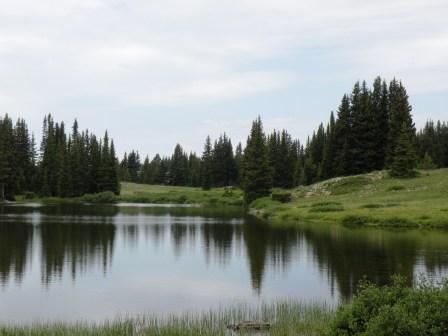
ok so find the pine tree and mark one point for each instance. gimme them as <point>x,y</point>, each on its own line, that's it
<point>239,163</point>
<point>7,177</point>
<point>343,139</point>
<point>156,177</point>
<point>380,105</point>
<point>179,167</point>
<point>114,181</point>
<point>310,171</point>
<point>206,167</point>
<point>133,166</point>
<point>257,180</point>
<point>403,161</point>
<point>327,170</point>
<point>400,114</point>
<point>145,176</point>
<point>194,170</point>
<point>362,132</point>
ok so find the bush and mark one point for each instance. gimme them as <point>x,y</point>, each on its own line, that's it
<point>396,187</point>
<point>394,310</point>
<point>353,220</point>
<point>102,197</point>
<point>28,195</point>
<point>372,206</point>
<point>326,207</point>
<point>281,196</point>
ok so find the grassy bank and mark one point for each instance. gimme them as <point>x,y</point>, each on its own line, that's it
<point>287,318</point>
<point>373,199</point>
<point>143,193</point>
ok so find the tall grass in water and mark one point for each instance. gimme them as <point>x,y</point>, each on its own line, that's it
<point>287,318</point>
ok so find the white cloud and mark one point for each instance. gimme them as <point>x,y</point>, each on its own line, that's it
<point>65,55</point>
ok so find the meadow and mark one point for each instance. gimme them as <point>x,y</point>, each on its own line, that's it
<point>373,199</point>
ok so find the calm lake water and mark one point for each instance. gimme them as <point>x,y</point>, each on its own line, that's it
<point>96,262</point>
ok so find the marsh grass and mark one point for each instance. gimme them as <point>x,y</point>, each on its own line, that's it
<point>287,318</point>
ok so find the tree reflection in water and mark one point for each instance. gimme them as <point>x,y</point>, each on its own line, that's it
<point>72,240</point>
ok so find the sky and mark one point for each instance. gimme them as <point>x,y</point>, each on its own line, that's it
<point>157,73</point>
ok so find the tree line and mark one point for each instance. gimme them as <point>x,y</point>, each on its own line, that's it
<point>218,166</point>
<point>372,129</point>
<point>66,164</point>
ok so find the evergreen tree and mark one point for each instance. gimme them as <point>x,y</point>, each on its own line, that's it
<point>329,150</point>
<point>380,108</point>
<point>7,177</point>
<point>343,139</point>
<point>400,114</point>
<point>133,166</point>
<point>157,176</point>
<point>362,132</point>
<point>179,167</point>
<point>403,161</point>
<point>194,170</point>
<point>206,167</point>
<point>257,180</point>
<point>239,163</point>
<point>146,174</point>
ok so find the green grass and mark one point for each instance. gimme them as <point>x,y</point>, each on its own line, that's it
<point>287,318</point>
<point>373,199</point>
<point>143,193</point>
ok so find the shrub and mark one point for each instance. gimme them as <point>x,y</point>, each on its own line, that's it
<point>182,199</point>
<point>281,196</point>
<point>326,207</point>
<point>394,310</point>
<point>28,195</point>
<point>396,187</point>
<point>372,206</point>
<point>353,220</point>
<point>102,197</point>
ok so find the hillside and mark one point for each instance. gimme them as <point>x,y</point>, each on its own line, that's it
<point>370,199</point>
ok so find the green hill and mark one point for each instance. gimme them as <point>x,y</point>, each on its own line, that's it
<point>370,199</point>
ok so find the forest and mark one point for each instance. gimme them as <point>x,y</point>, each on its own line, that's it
<point>372,129</point>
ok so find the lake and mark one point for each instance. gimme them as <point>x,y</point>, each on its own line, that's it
<point>67,263</point>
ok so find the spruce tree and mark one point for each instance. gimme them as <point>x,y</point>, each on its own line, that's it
<point>239,163</point>
<point>145,176</point>
<point>403,161</point>
<point>327,170</point>
<point>343,139</point>
<point>380,106</point>
<point>7,176</point>
<point>206,167</point>
<point>400,114</point>
<point>179,167</point>
<point>257,180</point>
<point>362,133</point>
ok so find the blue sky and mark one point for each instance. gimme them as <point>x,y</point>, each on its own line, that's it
<point>157,73</point>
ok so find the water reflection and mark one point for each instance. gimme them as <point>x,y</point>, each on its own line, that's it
<point>74,248</point>
<point>75,241</point>
<point>15,246</point>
